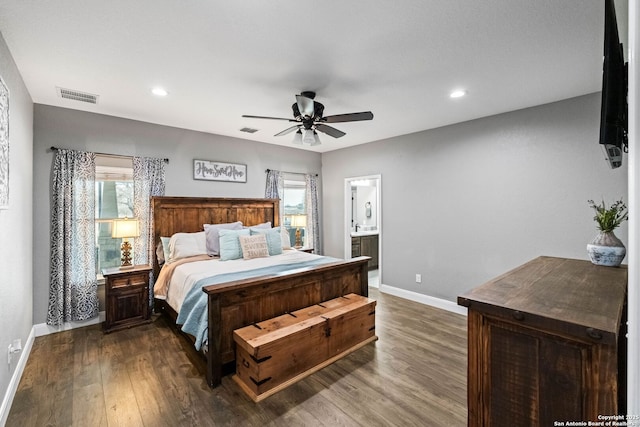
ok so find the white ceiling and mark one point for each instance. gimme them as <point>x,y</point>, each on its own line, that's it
<point>221,59</point>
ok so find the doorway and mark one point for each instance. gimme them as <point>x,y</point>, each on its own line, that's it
<point>363,222</point>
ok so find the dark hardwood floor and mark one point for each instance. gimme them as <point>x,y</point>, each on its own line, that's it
<point>414,375</point>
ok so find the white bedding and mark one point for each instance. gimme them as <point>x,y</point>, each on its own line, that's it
<point>186,275</point>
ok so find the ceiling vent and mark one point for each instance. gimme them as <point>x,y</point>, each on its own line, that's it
<point>76,95</point>
<point>249,130</point>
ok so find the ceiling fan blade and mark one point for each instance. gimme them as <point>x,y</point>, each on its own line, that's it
<point>305,105</point>
<point>331,131</point>
<point>270,118</point>
<point>351,117</point>
<point>288,130</point>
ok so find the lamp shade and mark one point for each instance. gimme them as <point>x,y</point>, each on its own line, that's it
<point>298,220</point>
<point>297,138</point>
<point>123,228</point>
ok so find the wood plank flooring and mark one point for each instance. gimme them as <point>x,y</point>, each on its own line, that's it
<point>414,375</point>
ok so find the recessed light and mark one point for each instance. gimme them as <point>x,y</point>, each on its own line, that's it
<point>158,91</point>
<point>458,93</point>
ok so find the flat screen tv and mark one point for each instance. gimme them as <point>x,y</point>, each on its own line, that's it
<point>613,114</point>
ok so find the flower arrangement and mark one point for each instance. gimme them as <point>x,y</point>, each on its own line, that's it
<point>609,219</point>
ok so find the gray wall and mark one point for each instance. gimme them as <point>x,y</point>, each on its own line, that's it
<point>464,203</point>
<point>16,258</point>
<point>66,128</point>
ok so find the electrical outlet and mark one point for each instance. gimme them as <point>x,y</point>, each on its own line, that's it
<point>418,278</point>
<point>14,348</point>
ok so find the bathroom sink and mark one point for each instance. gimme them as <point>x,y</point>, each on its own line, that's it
<point>364,233</point>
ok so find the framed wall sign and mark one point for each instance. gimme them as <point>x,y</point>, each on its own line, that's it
<point>4,145</point>
<point>210,170</point>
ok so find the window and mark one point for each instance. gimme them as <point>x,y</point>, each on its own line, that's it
<point>114,199</point>
<point>295,208</point>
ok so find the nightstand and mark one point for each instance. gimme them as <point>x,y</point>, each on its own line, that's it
<point>126,297</point>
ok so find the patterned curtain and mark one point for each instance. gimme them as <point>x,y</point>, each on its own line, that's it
<point>275,189</point>
<point>73,294</point>
<point>313,217</point>
<point>148,181</point>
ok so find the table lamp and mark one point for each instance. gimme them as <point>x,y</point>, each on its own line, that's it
<point>124,228</point>
<point>298,221</point>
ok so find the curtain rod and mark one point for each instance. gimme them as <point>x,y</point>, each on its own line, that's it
<point>107,154</point>
<point>291,173</point>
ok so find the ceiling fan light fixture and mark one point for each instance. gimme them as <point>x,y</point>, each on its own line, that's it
<point>309,117</point>
<point>310,137</point>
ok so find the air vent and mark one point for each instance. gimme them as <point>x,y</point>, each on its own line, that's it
<point>76,95</point>
<point>249,130</point>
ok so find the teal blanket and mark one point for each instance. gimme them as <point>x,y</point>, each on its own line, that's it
<point>193,313</point>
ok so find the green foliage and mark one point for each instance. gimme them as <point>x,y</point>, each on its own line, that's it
<point>609,219</point>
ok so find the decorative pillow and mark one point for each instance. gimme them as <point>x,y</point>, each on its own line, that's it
<point>254,246</point>
<point>182,245</point>
<point>273,238</point>
<point>213,236</point>
<point>230,243</point>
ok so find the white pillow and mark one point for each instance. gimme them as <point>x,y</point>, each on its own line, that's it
<point>182,245</point>
<point>284,233</point>
<point>263,225</point>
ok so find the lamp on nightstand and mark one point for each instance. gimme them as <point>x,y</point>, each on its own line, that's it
<point>125,229</point>
<point>298,221</point>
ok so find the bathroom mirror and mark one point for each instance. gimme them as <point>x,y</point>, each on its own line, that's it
<point>364,205</point>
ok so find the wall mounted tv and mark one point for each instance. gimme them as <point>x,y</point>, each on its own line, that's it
<point>613,114</point>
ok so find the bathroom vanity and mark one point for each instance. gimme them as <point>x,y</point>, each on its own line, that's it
<point>365,243</point>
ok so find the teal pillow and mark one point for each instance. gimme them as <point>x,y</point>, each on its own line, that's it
<point>165,247</point>
<point>230,243</point>
<point>274,239</point>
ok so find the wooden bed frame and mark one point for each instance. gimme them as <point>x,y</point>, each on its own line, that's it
<point>240,303</point>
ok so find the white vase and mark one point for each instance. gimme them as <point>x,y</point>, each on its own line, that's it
<point>606,249</point>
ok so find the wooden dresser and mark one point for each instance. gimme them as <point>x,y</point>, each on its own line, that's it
<point>546,344</point>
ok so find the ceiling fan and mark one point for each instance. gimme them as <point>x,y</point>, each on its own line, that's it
<point>307,113</point>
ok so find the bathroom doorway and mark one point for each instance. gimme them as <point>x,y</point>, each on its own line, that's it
<point>363,222</point>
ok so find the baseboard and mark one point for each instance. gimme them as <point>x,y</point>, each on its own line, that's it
<point>15,378</point>
<point>424,299</point>
<point>44,329</point>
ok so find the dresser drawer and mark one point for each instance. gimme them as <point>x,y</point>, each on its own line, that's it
<point>134,279</point>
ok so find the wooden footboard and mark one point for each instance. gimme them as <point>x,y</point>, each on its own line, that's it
<point>240,303</point>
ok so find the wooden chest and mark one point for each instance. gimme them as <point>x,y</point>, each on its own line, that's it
<point>276,353</point>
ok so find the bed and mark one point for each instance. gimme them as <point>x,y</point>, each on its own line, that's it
<point>238,303</point>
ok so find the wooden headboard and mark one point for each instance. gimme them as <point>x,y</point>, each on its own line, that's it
<point>188,214</point>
